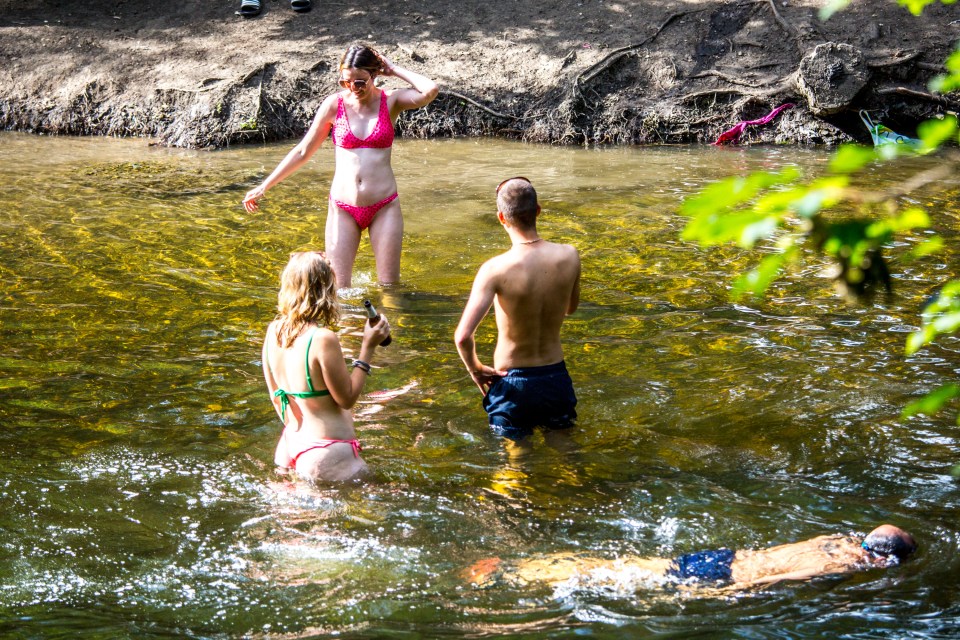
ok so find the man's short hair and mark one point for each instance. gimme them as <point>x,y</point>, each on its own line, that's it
<point>517,201</point>
<point>890,541</point>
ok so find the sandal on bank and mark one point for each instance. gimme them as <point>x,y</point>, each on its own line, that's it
<point>249,8</point>
<point>301,6</point>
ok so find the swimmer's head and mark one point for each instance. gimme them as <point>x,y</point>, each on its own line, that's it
<point>360,56</point>
<point>890,541</point>
<point>308,293</point>
<point>517,201</point>
<point>359,67</point>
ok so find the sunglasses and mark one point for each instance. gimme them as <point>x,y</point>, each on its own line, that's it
<point>355,84</point>
<point>500,186</point>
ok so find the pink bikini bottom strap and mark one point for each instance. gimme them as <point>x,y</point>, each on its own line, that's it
<point>323,444</point>
<point>363,215</point>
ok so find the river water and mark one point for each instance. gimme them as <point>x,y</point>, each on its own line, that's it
<point>138,497</point>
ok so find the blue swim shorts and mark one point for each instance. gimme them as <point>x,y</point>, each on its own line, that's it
<point>529,397</point>
<point>705,566</point>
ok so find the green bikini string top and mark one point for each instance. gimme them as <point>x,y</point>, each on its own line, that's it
<point>285,395</point>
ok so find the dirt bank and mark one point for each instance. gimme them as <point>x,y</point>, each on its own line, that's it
<point>194,74</point>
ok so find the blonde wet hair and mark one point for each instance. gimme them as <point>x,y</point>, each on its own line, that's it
<point>308,294</point>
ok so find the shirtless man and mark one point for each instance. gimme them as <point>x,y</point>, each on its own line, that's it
<point>883,547</point>
<point>532,287</point>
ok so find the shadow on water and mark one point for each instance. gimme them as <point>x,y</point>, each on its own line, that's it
<point>139,498</point>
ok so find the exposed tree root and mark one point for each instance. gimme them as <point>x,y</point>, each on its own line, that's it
<point>473,102</point>
<point>922,95</point>
<point>783,23</point>
<point>781,86</point>
<point>599,67</point>
<point>726,78</point>
<point>891,62</point>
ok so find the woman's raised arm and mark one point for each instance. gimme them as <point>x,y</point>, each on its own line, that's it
<point>299,155</point>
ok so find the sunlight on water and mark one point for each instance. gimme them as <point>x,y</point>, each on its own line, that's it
<point>139,495</point>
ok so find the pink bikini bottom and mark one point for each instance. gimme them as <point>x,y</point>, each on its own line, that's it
<point>323,444</point>
<point>364,215</point>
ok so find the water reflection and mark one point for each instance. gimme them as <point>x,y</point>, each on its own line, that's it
<point>138,494</point>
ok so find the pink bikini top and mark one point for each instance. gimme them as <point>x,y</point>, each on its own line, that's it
<point>380,138</point>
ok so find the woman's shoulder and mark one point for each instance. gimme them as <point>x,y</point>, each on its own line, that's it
<point>330,103</point>
<point>323,334</point>
<point>392,95</point>
<point>272,329</point>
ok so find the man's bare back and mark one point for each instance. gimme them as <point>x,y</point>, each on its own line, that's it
<point>536,286</point>
<point>532,288</point>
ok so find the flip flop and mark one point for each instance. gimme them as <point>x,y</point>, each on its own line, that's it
<point>301,6</point>
<point>249,8</point>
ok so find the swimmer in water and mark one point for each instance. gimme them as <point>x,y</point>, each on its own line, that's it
<point>532,288</point>
<point>885,546</point>
<point>311,387</point>
<point>363,194</point>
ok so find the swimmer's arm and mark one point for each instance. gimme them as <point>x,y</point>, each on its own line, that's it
<point>311,142</point>
<point>424,89</point>
<point>803,574</point>
<point>479,303</point>
<point>344,384</point>
<point>300,154</point>
<point>575,294</point>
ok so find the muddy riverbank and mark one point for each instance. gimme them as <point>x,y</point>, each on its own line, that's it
<point>194,74</point>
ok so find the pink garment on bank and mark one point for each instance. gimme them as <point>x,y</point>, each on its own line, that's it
<point>733,134</point>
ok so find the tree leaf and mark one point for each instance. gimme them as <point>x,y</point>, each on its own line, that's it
<point>916,341</point>
<point>926,248</point>
<point>742,227</point>
<point>825,192</point>
<point>933,401</point>
<point>831,8</point>
<point>728,193</point>
<point>910,218</point>
<point>851,157</point>
<point>758,280</point>
<point>915,6</point>
<point>946,322</point>
<point>935,132</point>
<point>950,81</point>
<point>757,231</point>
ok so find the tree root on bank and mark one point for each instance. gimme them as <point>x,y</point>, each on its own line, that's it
<point>719,74</point>
<point>599,67</point>
<point>786,26</point>
<point>894,61</point>
<point>922,95</point>
<point>583,102</point>
<point>782,86</point>
<point>469,100</point>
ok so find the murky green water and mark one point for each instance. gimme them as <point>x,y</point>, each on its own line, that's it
<point>138,496</point>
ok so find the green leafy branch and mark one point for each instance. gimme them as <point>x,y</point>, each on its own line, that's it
<point>941,316</point>
<point>784,208</point>
<point>765,205</point>
<point>915,7</point>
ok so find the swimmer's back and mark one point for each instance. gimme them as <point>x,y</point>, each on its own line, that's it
<point>536,287</point>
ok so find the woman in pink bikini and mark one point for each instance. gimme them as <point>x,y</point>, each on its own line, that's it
<point>307,376</point>
<point>364,190</point>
